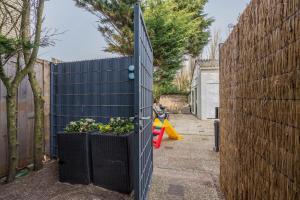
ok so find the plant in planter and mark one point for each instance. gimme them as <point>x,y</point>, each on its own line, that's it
<point>117,126</point>
<point>81,126</point>
<point>112,150</point>
<point>74,153</point>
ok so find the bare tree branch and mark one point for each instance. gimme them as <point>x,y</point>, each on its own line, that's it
<point>214,45</point>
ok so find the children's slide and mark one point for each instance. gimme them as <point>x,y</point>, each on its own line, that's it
<point>172,133</point>
<point>157,123</point>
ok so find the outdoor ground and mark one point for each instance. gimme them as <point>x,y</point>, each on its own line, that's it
<point>187,169</point>
<point>183,170</point>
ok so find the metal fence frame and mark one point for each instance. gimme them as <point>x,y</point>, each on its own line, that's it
<point>143,59</point>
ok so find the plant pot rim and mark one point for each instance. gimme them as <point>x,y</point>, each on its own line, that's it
<point>75,133</point>
<point>113,135</point>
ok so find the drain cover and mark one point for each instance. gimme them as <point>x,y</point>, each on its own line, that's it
<point>176,190</point>
<point>168,147</point>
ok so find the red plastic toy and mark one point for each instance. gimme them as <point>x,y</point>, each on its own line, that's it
<point>159,133</point>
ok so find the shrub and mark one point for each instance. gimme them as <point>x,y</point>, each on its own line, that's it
<point>182,81</point>
<point>170,89</point>
<point>81,126</point>
<point>117,126</point>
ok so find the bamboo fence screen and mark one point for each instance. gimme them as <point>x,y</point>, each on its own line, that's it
<point>260,103</point>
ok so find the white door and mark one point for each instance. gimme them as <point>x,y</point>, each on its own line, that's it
<point>209,93</point>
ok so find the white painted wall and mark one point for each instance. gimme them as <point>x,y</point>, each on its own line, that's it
<point>204,96</point>
<point>209,93</point>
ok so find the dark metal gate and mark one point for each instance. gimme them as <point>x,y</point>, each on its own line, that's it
<point>105,88</point>
<point>143,60</point>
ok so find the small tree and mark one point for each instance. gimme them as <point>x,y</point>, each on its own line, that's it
<point>115,23</point>
<point>175,27</point>
<point>20,39</point>
<point>38,120</point>
<point>199,37</point>
<point>169,28</point>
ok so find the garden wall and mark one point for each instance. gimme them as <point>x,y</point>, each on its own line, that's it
<point>25,117</point>
<point>260,103</point>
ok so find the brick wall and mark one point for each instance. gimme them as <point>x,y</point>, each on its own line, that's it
<point>260,103</point>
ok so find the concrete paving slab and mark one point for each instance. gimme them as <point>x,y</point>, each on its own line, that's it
<point>187,169</point>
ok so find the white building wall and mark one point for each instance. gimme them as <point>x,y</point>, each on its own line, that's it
<point>209,93</point>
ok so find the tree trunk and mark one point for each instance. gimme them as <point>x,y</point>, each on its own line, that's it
<point>38,121</point>
<point>13,147</point>
<point>193,67</point>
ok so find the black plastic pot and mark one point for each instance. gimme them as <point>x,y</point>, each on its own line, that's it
<point>74,158</point>
<point>112,161</point>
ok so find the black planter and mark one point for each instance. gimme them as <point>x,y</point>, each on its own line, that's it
<point>112,161</point>
<point>74,158</point>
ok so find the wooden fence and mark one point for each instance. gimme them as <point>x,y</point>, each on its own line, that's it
<point>25,118</point>
<point>260,103</point>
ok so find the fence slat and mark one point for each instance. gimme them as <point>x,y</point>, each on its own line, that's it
<point>25,117</point>
<point>97,89</point>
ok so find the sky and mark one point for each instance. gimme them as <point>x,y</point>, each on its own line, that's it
<point>80,40</point>
<point>225,12</point>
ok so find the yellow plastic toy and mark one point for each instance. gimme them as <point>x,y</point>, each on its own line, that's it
<point>157,123</point>
<point>172,133</point>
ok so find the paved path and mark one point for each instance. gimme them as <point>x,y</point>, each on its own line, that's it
<point>188,169</point>
<point>184,170</point>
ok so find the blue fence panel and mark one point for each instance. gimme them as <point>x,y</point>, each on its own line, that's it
<point>97,89</point>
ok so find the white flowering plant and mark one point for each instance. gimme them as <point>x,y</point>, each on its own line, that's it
<point>81,126</point>
<point>117,126</point>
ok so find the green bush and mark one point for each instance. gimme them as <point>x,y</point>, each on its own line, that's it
<point>81,126</point>
<point>170,89</point>
<point>117,126</point>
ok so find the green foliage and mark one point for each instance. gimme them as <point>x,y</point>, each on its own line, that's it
<point>117,126</point>
<point>160,90</point>
<point>81,126</point>
<point>7,45</point>
<point>199,37</point>
<point>10,46</point>
<point>175,27</point>
<point>115,23</point>
<point>169,28</point>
